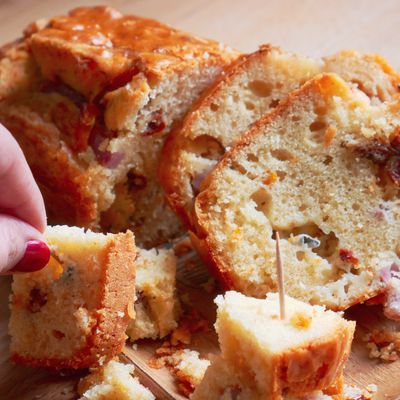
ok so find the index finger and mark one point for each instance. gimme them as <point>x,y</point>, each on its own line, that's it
<point>19,193</point>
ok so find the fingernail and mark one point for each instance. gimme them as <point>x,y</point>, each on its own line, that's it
<point>37,255</point>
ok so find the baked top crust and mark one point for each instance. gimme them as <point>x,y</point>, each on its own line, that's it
<point>94,48</point>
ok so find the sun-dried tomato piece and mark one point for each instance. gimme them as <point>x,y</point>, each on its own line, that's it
<point>136,182</point>
<point>87,120</point>
<point>155,125</point>
<point>97,136</point>
<point>348,256</point>
<point>377,152</point>
<point>37,299</point>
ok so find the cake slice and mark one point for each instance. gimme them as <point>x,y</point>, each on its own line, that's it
<point>264,357</point>
<point>90,97</point>
<point>74,312</point>
<point>251,87</point>
<point>156,306</point>
<point>322,169</point>
<point>113,381</point>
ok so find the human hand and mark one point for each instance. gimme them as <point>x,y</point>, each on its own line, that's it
<point>22,212</point>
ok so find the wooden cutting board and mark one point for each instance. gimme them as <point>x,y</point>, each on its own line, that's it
<point>311,27</point>
<point>24,383</point>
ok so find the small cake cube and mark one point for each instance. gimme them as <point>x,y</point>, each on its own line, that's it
<point>156,305</point>
<point>113,381</point>
<point>302,353</point>
<point>74,312</point>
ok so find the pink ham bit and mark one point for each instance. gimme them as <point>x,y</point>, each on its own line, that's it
<point>392,305</point>
<point>391,276</point>
<point>104,157</point>
<point>385,274</point>
<point>199,177</point>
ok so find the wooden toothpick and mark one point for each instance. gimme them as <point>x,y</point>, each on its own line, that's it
<point>279,270</point>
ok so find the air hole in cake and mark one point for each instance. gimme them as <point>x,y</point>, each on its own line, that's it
<point>303,207</point>
<point>328,160</point>
<point>252,158</point>
<point>249,105</point>
<point>325,245</point>
<point>207,147</point>
<point>282,155</point>
<point>274,103</point>
<point>355,206</point>
<point>239,168</point>
<point>361,87</point>
<point>260,88</point>
<point>300,255</point>
<point>214,107</point>
<point>281,175</point>
<point>329,245</point>
<point>317,125</point>
<point>236,98</point>
<point>58,334</point>
<point>263,201</point>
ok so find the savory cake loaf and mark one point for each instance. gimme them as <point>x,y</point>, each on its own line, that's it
<point>156,306</point>
<point>264,357</point>
<point>113,381</point>
<point>251,87</point>
<point>74,312</point>
<point>90,97</point>
<point>323,169</point>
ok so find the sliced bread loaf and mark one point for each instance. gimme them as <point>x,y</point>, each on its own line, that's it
<point>90,97</point>
<point>323,169</point>
<point>251,87</point>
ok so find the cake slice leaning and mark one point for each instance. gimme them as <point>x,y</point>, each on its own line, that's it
<point>251,87</point>
<point>265,357</point>
<point>323,169</point>
<point>74,312</point>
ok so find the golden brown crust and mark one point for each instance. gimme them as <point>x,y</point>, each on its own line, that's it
<point>117,292</point>
<point>72,89</point>
<point>89,56</point>
<point>335,352</point>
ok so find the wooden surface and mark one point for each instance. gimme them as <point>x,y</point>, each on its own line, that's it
<point>311,27</point>
<point>24,383</point>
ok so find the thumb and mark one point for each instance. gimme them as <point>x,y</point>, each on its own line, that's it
<point>22,247</point>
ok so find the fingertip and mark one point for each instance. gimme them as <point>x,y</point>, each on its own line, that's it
<point>36,257</point>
